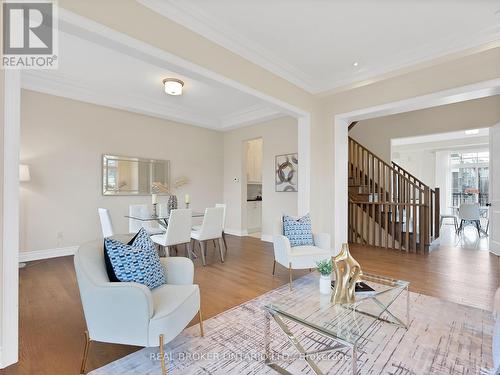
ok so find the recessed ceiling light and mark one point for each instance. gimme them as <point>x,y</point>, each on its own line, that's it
<point>173,86</point>
<point>355,63</point>
<point>472,132</point>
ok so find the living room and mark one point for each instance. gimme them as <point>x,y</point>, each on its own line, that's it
<point>110,103</point>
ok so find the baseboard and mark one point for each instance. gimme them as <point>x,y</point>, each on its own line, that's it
<point>236,232</point>
<point>28,256</point>
<point>266,238</point>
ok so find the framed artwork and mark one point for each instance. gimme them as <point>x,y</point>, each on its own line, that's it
<point>286,172</point>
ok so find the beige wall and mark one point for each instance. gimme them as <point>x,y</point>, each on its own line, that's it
<point>279,137</point>
<point>376,134</point>
<point>63,141</point>
<point>452,72</point>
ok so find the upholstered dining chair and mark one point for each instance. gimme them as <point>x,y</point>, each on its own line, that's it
<point>135,225</point>
<point>210,229</point>
<point>130,313</point>
<point>178,231</point>
<point>106,225</point>
<point>299,257</point>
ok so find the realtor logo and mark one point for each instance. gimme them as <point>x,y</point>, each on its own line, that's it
<point>29,35</point>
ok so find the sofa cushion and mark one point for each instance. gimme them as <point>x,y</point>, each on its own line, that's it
<point>136,261</point>
<point>298,230</point>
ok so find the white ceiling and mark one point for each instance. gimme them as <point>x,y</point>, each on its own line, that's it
<point>98,74</point>
<point>440,137</point>
<point>314,43</point>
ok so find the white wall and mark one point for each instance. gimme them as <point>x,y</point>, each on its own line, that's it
<point>63,141</point>
<point>280,136</point>
<point>376,134</point>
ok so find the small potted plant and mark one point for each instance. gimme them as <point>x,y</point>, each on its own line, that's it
<point>325,269</point>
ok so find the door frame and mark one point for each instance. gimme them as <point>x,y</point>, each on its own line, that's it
<point>494,246</point>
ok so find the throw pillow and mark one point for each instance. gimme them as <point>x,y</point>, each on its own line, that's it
<point>298,230</point>
<point>136,261</point>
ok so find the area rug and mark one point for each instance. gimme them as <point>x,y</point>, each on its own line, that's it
<point>442,338</point>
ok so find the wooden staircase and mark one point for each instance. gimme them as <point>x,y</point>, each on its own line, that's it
<point>388,206</point>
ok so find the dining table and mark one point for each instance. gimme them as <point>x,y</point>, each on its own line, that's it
<point>162,220</point>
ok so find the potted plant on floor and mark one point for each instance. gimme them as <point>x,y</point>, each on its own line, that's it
<point>325,281</point>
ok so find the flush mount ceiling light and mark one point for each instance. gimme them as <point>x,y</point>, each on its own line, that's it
<point>472,132</point>
<point>173,86</point>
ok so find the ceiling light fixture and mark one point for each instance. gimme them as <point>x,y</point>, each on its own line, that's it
<point>173,86</point>
<point>355,63</point>
<point>472,132</point>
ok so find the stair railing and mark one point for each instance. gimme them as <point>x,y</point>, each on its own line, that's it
<point>392,209</point>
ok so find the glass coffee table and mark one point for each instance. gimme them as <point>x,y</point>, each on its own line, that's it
<point>344,324</point>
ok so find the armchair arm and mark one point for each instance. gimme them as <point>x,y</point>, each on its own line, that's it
<point>322,240</point>
<point>118,312</point>
<point>179,270</point>
<point>282,249</point>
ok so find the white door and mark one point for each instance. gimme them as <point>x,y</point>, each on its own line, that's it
<point>495,189</point>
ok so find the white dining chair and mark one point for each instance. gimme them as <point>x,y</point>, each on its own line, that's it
<point>469,214</point>
<point>106,225</point>
<point>224,206</point>
<point>178,231</point>
<point>141,210</point>
<point>211,229</point>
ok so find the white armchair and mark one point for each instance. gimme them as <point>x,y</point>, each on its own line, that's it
<point>131,313</point>
<point>299,257</point>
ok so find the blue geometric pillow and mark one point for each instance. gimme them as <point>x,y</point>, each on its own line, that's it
<point>298,231</point>
<point>136,261</point>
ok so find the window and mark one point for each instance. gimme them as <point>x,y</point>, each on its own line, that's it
<point>469,177</point>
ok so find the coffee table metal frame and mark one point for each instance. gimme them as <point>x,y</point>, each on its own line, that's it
<point>281,318</point>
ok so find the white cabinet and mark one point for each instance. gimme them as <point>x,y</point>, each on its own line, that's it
<point>254,216</point>
<point>254,161</point>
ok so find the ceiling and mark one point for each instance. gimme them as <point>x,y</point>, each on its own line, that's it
<point>315,43</point>
<point>102,75</point>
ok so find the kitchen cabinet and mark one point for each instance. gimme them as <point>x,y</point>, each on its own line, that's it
<point>254,216</point>
<point>254,161</point>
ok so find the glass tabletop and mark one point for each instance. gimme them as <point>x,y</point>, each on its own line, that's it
<point>151,217</point>
<point>347,322</point>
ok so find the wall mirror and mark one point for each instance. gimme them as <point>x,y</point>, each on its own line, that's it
<point>134,176</point>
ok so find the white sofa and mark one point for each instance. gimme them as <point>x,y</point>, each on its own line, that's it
<point>299,257</point>
<point>131,313</point>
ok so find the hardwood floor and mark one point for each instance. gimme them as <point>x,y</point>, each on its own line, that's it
<point>51,317</point>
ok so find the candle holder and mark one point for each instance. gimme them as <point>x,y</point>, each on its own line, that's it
<point>187,205</point>
<point>155,209</point>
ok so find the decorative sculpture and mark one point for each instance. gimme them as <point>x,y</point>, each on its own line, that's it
<point>347,273</point>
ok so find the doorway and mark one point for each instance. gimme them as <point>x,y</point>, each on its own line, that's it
<point>253,172</point>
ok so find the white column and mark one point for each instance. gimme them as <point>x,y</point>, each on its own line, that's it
<point>9,271</point>
<point>340,181</point>
<point>304,151</point>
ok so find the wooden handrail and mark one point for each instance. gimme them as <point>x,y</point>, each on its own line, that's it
<point>420,182</point>
<point>387,165</point>
<point>352,125</point>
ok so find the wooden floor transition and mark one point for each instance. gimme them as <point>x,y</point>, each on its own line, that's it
<point>52,323</point>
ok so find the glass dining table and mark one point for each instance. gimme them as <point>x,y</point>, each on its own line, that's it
<point>162,220</point>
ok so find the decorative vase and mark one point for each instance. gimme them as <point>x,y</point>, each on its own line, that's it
<point>172,203</point>
<point>325,284</point>
<point>347,273</point>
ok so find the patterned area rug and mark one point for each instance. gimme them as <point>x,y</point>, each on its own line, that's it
<point>443,338</point>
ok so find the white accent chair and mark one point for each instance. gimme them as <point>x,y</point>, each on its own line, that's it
<point>299,257</point>
<point>224,206</point>
<point>469,213</point>
<point>211,229</point>
<point>134,226</point>
<point>178,231</point>
<point>130,313</point>
<point>106,225</point>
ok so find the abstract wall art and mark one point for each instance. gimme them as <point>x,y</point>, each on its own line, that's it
<point>287,172</point>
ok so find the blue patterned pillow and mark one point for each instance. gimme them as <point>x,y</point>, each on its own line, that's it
<point>298,231</point>
<point>136,261</point>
